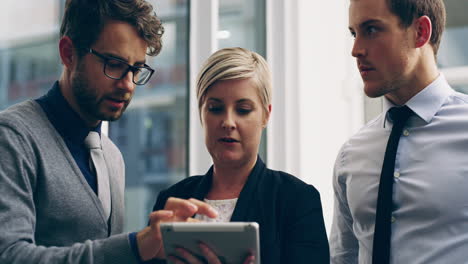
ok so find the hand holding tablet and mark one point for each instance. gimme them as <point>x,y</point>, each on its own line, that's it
<point>232,242</point>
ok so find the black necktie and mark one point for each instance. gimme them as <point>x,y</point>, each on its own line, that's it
<point>382,231</point>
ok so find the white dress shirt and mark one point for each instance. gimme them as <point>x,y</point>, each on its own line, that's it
<point>430,191</point>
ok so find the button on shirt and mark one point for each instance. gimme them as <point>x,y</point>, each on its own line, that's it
<point>430,191</point>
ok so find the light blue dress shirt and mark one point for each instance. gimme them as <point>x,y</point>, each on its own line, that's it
<point>430,192</point>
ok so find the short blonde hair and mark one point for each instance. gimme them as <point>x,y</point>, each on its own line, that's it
<point>235,64</point>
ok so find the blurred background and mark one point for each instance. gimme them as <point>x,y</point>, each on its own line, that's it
<point>317,101</point>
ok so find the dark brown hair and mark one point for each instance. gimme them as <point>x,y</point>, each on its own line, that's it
<point>409,10</point>
<point>84,20</point>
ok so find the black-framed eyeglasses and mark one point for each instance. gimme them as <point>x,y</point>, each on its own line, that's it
<point>117,69</point>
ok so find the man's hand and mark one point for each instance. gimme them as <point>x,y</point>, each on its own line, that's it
<point>149,240</point>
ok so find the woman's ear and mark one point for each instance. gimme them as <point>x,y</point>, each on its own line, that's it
<point>67,52</point>
<point>267,117</point>
<point>423,31</point>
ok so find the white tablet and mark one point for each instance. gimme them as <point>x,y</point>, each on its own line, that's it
<point>232,242</point>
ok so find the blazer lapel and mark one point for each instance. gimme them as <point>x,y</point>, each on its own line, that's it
<point>245,207</point>
<point>247,202</point>
<point>204,186</point>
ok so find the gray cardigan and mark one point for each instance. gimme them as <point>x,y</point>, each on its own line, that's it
<point>48,212</point>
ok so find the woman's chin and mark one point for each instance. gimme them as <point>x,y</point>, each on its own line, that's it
<point>228,159</point>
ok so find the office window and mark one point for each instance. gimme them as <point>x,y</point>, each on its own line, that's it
<point>453,52</point>
<point>242,24</point>
<point>152,134</point>
<point>31,69</point>
<point>29,61</point>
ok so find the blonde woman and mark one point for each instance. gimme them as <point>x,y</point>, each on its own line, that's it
<point>234,100</point>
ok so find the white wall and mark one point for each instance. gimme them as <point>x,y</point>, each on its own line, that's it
<point>330,102</point>
<point>318,97</point>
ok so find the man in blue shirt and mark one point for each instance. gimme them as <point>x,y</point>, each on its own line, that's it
<point>56,207</point>
<point>402,198</point>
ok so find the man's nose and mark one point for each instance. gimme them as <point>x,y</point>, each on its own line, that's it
<point>358,49</point>
<point>126,83</point>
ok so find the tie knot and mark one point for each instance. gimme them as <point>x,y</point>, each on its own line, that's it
<point>400,114</point>
<point>93,140</point>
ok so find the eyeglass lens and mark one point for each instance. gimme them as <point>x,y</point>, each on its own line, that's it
<point>116,69</point>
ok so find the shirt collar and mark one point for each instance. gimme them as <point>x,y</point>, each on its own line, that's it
<point>428,101</point>
<point>67,122</point>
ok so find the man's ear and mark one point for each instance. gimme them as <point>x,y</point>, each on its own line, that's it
<point>423,31</point>
<point>67,51</point>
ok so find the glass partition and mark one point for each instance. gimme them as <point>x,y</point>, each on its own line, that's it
<point>29,70</point>
<point>152,134</point>
<point>242,24</point>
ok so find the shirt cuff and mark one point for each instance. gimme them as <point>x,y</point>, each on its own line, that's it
<point>134,245</point>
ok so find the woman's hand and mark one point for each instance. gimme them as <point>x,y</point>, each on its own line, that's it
<point>184,209</point>
<point>184,256</point>
<point>149,240</point>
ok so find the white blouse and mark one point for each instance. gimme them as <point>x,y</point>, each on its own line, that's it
<point>225,208</point>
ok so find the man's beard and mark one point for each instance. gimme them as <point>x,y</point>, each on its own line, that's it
<point>89,101</point>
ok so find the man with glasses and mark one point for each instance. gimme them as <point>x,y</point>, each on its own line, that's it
<point>62,180</point>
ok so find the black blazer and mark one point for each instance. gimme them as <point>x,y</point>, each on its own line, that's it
<point>287,210</point>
